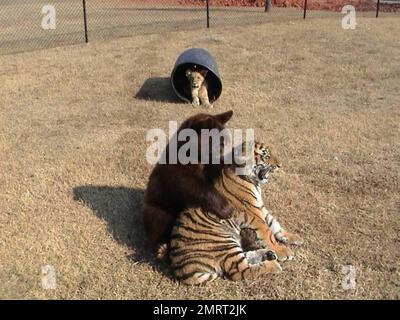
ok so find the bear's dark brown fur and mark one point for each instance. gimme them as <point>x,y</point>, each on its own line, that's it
<point>174,187</point>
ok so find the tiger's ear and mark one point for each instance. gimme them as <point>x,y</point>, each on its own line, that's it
<point>188,72</point>
<point>204,73</point>
<point>224,117</point>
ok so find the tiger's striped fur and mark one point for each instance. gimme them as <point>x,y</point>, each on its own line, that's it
<point>263,154</point>
<point>204,247</point>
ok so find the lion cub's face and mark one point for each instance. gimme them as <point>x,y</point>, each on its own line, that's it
<point>196,78</point>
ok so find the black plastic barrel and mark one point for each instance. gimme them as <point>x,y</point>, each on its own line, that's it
<point>196,58</point>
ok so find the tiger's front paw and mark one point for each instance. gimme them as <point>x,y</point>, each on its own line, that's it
<point>283,253</point>
<point>270,256</point>
<point>291,238</point>
<point>272,266</point>
<point>209,106</point>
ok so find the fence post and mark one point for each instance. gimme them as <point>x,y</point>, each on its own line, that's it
<point>208,13</point>
<point>305,9</point>
<point>267,5</point>
<point>377,8</point>
<point>85,21</point>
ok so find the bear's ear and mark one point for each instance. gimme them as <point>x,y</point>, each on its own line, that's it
<point>206,123</point>
<point>204,73</point>
<point>224,117</point>
<point>188,72</point>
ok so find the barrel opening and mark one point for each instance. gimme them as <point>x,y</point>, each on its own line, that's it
<point>180,82</point>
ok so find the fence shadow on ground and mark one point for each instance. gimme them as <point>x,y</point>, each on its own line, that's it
<point>157,89</point>
<point>121,208</point>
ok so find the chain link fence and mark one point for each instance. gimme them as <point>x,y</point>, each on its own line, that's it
<point>24,24</point>
<point>118,18</point>
<point>37,24</point>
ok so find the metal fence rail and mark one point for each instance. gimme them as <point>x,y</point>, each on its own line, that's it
<point>36,24</point>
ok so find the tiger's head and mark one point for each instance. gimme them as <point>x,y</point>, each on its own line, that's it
<point>196,78</point>
<point>260,164</point>
<point>265,162</point>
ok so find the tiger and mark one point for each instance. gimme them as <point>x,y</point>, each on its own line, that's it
<point>198,87</point>
<point>204,247</point>
<point>263,154</point>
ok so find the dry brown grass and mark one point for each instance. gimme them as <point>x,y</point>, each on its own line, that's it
<point>73,169</point>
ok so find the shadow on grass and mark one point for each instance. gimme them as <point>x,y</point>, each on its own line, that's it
<point>157,89</point>
<point>121,208</point>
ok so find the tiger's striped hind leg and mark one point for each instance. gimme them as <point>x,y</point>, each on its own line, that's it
<point>234,265</point>
<point>199,278</point>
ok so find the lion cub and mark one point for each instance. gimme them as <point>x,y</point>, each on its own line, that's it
<point>198,87</point>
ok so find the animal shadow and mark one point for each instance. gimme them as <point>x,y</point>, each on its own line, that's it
<point>121,208</point>
<point>157,89</point>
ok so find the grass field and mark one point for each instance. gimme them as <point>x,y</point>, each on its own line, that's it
<point>73,168</point>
